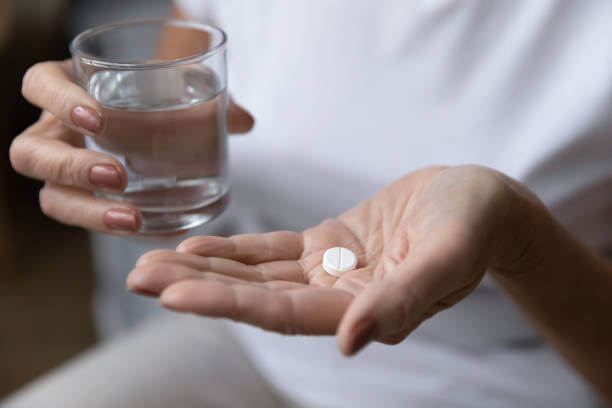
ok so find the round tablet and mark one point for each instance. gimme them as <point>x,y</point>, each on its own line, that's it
<point>338,260</point>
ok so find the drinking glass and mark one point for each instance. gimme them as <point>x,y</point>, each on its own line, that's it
<point>162,86</point>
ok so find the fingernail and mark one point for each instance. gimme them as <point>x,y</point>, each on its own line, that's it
<point>121,219</point>
<point>365,332</point>
<point>105,175</point>
<point>86,118</point>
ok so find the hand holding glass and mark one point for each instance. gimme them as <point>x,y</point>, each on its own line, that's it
<point>164,116</point>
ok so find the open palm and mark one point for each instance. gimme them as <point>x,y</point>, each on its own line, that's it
<point>423,244</point>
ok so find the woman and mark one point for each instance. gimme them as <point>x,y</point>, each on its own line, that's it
<point>349,96</point>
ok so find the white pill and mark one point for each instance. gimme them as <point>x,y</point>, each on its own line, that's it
<point>338,260</point>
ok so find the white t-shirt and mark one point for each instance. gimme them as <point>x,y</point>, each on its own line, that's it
<point>523,86</point>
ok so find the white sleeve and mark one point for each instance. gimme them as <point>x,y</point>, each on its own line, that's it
<point>575,182</point>
<point>200,10</point>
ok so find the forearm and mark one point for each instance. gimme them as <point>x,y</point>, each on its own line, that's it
<point>565,288</point>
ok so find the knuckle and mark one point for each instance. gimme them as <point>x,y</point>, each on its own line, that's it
<point>35,83</point>
<point>18,156</point>
<point>61,98</point>
<point>30,78</point>
<point>281,317</point>
<point>480,173</point>
<point>66,170</point>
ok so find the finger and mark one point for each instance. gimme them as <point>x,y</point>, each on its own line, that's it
<point>239,120</point>
<point>284,285</point>
<point>153,278</point>
<point>37,155</point>
<point>290,271</point>
<point>49,86</point>
<point>276,270</point>
<point>399,302</point>
<point>249,248</point>
<point>75,207</point>
<point>299,311</point>
<point>379,306</point>
<point>201,264</point>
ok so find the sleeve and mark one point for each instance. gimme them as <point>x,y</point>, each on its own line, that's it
<point>200,10</point>
<point>576,184</point>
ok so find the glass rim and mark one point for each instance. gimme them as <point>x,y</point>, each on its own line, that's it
<point>93,60</point>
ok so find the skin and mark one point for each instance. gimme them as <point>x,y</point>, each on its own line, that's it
<point>423,243</point>
<point>52,150</point>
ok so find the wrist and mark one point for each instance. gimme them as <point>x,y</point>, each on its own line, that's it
<point>527,236</point>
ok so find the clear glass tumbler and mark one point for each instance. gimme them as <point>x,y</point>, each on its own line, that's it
<point>162,86</point>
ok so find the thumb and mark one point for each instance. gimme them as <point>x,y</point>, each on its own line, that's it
<point>409,292</point>
<point>239,120</point>
<point>386,310</point>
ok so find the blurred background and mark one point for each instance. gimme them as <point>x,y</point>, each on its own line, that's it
<point>46,276</point>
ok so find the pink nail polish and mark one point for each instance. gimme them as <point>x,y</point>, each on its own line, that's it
<point>121,219</point>
<point>105,175</point>
<point>86,118</point>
